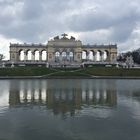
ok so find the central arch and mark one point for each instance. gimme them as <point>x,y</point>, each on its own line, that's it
<point>64,56</point>
<point>71,56</point>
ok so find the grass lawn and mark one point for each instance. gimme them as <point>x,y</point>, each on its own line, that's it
<point>103,71</point>
<point>92,71</point>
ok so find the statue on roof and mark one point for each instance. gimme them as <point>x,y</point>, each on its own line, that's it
<point>56,37</point>
<point>64,36</point>
<point>72,38</point>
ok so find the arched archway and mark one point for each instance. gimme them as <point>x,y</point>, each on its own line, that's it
<point>44,55</point>
<point>64,56</point>
<point>91,55</point>
<point>105,55</point>
<point>71,55</point>
<point>98,55</point>
<point>21,55</point>
<point>29,55</point>
<point>84,55</point>
<point>36,55</point>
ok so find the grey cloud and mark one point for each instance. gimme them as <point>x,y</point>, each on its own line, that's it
<point>124,28</point>
<point>37,20</point>
<point>89,22</point>
<point>120,17</point>
<point>32,10</point>
<point>122,31</point>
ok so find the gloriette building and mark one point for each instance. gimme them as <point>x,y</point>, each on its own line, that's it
<point>62,51</point>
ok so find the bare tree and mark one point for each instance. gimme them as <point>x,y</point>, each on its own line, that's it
<point>1,57</point>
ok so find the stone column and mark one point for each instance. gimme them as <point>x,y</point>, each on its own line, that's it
<point>87,56</point>
<point>81,56</point>
<point>17,57</point>
<point>33,56</point>
<point>102,56</point>
<point>25,56</point>
<point>74,56</point>
<point>40,56</point>
<point>114,57</point>
<point>108,57</point>
<point>46,56</point>
<point>68,56</point>
<point>60,57</point>
<point>95,56</point>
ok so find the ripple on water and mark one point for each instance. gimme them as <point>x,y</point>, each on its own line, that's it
<point>3,110</point>
<point>98,112</point>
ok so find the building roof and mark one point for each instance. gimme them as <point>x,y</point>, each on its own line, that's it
<point>27,45</point>
<point>62,42</point>
<point>100,46</point>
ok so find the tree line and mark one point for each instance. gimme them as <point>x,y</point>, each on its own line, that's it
<point>135,54</point>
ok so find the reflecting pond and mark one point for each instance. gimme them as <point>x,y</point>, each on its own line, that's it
<point>70,109</point>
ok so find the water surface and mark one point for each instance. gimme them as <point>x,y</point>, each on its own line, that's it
<point>91,109</point>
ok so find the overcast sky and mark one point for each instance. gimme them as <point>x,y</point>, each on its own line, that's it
<point>91,21</point>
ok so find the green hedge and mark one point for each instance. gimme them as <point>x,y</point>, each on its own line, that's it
<point>25,71</point>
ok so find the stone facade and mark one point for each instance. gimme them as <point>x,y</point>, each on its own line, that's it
<point>63,50</point>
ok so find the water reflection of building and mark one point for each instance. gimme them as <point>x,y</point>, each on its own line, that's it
<point>59,100</point>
